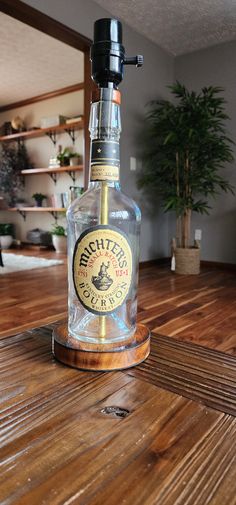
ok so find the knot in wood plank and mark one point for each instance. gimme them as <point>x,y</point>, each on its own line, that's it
<point>115,411</point>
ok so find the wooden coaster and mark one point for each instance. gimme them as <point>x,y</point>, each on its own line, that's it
<point>103,357</point>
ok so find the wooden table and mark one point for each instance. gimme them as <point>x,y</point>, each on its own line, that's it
<point>163,433</point>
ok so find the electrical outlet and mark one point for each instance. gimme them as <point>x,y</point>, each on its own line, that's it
<point>133,163</point>
<point>198,235</point>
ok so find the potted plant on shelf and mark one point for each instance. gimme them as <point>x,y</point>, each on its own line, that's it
<point>6,235</point>
<point>186,146</point>
<point>63,156</point>
<point>59,239</point>
<point>66,157</point>
<point>39,197</point>
<point>74,159</point>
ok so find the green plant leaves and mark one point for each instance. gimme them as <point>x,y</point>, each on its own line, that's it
<point>186,146</point>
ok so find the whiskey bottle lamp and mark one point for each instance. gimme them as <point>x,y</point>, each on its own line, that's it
<point>103,234</point>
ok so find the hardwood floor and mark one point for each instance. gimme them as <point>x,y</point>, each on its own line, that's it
<point>33,297</point>
<point>201,309</point>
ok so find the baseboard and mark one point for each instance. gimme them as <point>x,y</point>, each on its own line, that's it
<point>155,262</point>
<point>218,265</point>
<point>207,264</point>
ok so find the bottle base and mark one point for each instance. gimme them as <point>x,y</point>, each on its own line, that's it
<point>103,357</point>
<point>101,330</point>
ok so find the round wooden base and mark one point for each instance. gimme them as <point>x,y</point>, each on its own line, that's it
<point>103,357</point>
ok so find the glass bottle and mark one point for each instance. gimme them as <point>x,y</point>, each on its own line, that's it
<point>103,239</point>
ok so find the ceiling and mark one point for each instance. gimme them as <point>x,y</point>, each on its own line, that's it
<point>178,26</point>
<point>33,63</point>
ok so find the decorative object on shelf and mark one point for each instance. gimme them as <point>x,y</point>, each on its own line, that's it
<point>63,156</point>
<point>21,202</point>
<point>17,124</point>
<point>75,159</point>
<point>67,157</point>
<point>39,197</point>
<point>72,120</point>
<point>11,180</point>
<point>59,239</point>
<point>6,235</point>
<point>53,162</point>
<point>56,200</point>
<point>102,331</point>
<point>66,199</point>
<point>39,237</point>
<point>75,192</point>
<point>185,147</point>
<point>50,122</point>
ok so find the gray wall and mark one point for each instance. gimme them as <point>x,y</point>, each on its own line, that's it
<point>138,88</point>
<point>215,66</point>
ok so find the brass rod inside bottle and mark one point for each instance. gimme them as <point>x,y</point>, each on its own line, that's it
<point>103,220</point>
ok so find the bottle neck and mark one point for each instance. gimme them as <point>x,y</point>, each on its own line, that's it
<point>105,128</point>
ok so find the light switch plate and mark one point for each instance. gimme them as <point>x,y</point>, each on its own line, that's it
<point>133,163</point>
<point>198,234</point>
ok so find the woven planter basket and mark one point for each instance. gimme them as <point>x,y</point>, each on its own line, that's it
<point>187,261</point>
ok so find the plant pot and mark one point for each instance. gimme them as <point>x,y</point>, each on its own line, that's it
<point>6,241</point>
<point>38,204</point>
<point>74,161</point>
<point>60,243</point>
<point>187,261</point>
<point>65,162</point>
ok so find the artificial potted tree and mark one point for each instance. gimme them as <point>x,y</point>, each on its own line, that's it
<point>186,147</point>
<point>59,239</point>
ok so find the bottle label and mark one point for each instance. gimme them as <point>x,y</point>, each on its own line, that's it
<point>102,269</point>
<point>105,160</point>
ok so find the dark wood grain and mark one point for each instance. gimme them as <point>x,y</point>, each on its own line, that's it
<point>59,447</point>
<point>193,371</point>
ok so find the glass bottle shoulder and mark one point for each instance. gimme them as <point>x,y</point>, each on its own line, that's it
<point>120,205</point>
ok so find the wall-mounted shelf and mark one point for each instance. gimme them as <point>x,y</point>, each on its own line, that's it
<point>50,132</point>
<point>54,171</point>
<point>23,210</point>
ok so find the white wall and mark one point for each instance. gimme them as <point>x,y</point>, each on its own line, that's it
<point>138,88</point>
<point>215,66</point>
<point>40,149</point>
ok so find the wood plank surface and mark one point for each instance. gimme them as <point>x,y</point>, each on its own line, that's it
<point>60,446</point>
<point>199,309</point>
<point>193,371</point>
<point>31,298</point>
<point>52,170</point>
<point>36,209</point>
